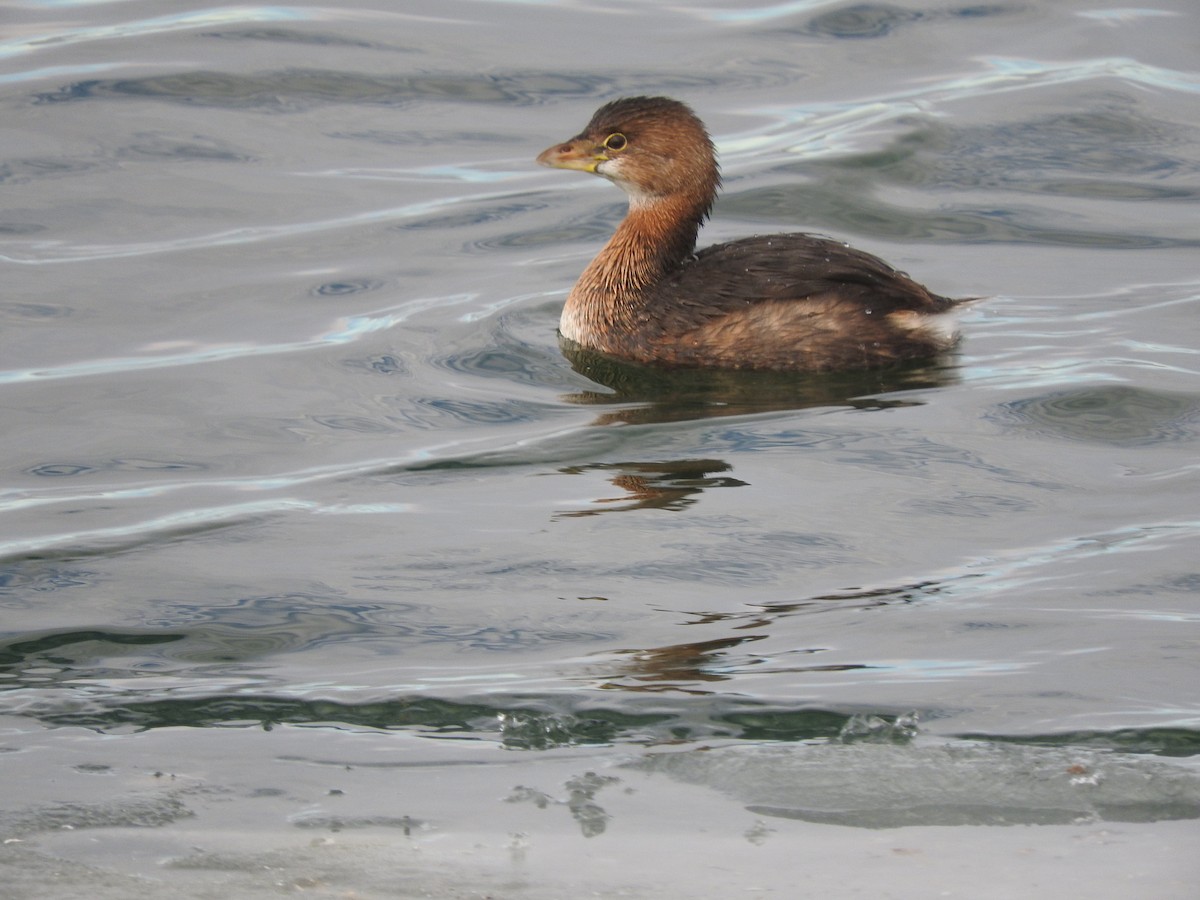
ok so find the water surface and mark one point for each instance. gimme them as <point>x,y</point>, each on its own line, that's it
<point>322,567</point>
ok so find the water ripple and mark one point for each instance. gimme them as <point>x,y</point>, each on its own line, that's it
<point>159,25</point>
<point>1117,415</point>
<point>40,253</point>
<point>295,89</point>
<point>455,453</point>
<point>179,525</point>
<point>827,124</point>
<point>344,331</point>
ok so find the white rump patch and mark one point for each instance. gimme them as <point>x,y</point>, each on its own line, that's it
<point>939,327</point>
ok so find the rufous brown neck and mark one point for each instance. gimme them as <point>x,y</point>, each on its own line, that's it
<point>613,296</point>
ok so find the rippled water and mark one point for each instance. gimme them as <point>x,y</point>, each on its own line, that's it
<point>322,569</point>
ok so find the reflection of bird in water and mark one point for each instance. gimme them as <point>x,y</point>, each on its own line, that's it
<point>672,395</point>
<point>663,668</point>
<point>787,302</point>
<point>683,666</point>
<point>670,485</point>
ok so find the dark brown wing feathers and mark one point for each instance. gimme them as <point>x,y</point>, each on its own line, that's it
<point>790,301</point>
<point>784,267</point>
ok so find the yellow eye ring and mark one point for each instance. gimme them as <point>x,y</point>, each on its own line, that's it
<point>616,142</point>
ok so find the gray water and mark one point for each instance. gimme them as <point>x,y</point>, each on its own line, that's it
<point>323,571</point>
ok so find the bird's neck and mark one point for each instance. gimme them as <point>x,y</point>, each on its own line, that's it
<point>611,296</point>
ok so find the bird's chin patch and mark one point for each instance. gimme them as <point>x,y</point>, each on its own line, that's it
<point>612,169</point>
<point>609,168</point>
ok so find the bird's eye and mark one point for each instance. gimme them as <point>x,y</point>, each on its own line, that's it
<point>615,142</point>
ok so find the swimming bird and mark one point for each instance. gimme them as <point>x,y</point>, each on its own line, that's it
<point>785,302</point>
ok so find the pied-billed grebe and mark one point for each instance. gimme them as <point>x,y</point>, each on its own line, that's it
<point>785,301</point>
